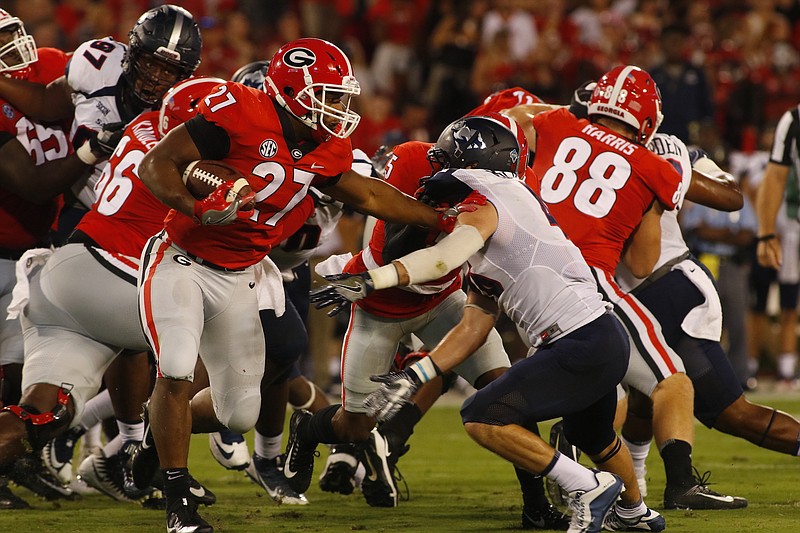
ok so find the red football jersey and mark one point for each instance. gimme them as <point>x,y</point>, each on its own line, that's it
<point>408,164</point>
<point>278,170</point>
<point>24,224</point>
<point>598,184</point>
<point>50,65</point>
<point>126,213</point>
<point>505,99</point>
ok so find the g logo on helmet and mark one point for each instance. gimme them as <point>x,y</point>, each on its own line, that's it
<point>299,58</point>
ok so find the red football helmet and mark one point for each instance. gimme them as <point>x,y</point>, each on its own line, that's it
<point>19,52</point>
<point>180,102</point>
<point>629,94</point>
<point>507,98</point>
<point>306,76</point>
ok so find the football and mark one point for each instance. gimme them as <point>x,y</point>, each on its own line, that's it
<point>203,176</point>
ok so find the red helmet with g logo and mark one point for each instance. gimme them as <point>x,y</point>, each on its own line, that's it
<point>306,76</point>
<point>628,94</point>
<point>18,53</point>
<point>180,102</point>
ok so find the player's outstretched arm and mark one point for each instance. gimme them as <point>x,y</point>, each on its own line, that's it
<point>37,184</point>
<point>713,187</point>
<point>375,197</point>
<point>161,170</point>
<point>768,202</point>
<point>473,227</point>
<point>398,388</point>
<point>45,103</point>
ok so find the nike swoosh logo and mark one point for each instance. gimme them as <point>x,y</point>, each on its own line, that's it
<point>315,165</point>
<point>225,454</point>
<point>198,492</point>
<point>170,478</point>
<point>727,499</point>
<point>287,466</point>
<point>373,472</point>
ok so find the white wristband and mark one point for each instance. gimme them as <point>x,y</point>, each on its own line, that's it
<point>384,277</point>
<point>85,154</point>
<point>424,369</point>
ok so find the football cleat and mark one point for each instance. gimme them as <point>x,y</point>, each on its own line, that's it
<point>29,471</point>
<point>9,500</point>
<point>57,454</point>
<point>547,517</point>
<point>589,508</point>
<point>558,441</point>
<point>183,518</point>
<point>269,474</point>
<point>700,497</point>
<point>197,490</point>
<point>229,449</point>
<point>649,521</point>
<point>110,476</point>
<point>299,466</point>
<point>340,470</point>
<point>378,486</point>
<point>144,461</point>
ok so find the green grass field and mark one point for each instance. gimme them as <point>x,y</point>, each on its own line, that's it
<point>455,486</point>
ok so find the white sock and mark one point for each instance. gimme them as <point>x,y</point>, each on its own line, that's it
<point>113,446</point>
<point>787,365</point>
<point>92,437</point>
<point>268,447</point>
<point>129,432</point>
<point>631,512</point>
<point>97,409</point>
<point>572,476</point>
<point>639,451</point>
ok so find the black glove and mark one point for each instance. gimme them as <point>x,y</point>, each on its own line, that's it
<point>579,105</point>
<point>346,288</point>
<point>105,142</point>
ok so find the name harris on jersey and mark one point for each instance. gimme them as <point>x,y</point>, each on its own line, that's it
<point>614,141</point>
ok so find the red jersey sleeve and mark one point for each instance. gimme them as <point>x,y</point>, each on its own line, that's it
<point>505,99</point>
<point>50,65</point>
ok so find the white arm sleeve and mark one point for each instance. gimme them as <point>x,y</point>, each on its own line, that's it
<point>449,253</point>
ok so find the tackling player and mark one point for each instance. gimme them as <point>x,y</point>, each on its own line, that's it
<point>520,263</point>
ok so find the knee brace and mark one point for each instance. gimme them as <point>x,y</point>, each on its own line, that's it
<point>42,426</point>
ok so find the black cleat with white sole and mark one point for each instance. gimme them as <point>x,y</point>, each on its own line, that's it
<point>299,466</point>
<point>700,497</point>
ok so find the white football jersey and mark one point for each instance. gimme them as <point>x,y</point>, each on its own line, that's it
<point>94,74</point>
<point>672,244</point>
<point>538,277</point>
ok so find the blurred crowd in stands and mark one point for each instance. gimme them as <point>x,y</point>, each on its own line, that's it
<point>731,65</point>
<point>727,69</point>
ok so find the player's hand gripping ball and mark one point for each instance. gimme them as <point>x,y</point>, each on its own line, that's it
<point>223,194</point>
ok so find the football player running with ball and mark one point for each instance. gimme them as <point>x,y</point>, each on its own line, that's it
<point>197,283</point>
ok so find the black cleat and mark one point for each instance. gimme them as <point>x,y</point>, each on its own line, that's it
<point>299,466</point>
<point>547,517</point>
<point>183,518</point>
<point>144,460</point>
<point>378,486</point>
<point>57,454</point>
<point>29,472</point>
<point>700,497</point>
<point>9,500</point>
<point>340,470</point>
<point>199,493</point>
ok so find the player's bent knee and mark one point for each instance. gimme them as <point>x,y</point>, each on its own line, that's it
<point>239,410</point>
<point>676,385</point>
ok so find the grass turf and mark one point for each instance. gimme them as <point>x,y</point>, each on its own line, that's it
<point>455,486</point>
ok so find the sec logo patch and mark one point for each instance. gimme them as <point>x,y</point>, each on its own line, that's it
<point>268,149</point>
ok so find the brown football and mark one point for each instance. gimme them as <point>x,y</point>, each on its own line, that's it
<point>203,176</point>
